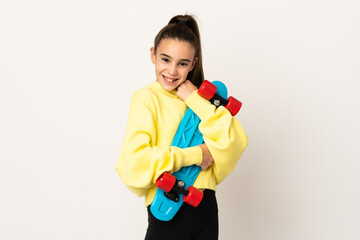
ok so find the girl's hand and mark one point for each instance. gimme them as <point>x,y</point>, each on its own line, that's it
<point>207,157</point>
<point>186,89</point>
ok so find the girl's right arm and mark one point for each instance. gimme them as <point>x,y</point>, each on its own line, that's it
<point>141,162</point>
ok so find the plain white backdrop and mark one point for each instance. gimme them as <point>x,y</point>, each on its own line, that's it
<point>68,69</point>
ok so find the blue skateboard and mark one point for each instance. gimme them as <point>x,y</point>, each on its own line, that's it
<point>177,188</point>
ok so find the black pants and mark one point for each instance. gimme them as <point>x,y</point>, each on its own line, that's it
<point>189,223</point>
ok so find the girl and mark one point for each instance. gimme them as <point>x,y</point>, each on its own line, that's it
<point>155,113</point>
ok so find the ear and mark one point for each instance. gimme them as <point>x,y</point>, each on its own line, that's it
<point>193,64</point>
<point>152,55</point>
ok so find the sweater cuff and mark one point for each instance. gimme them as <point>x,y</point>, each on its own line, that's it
<point>200,106</point>
<point>190,156</point>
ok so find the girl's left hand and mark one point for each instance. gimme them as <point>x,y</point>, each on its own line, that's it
<point>186,89</point>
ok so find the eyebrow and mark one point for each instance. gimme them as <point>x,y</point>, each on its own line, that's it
<point>165,55</point>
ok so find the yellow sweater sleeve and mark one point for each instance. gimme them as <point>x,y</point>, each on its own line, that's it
<point>223,135</point>
<point>141,161</point>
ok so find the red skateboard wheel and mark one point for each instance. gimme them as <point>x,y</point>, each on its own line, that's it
<point>207,90</point>
<point>233,105</point>
<point>166,182</point>
<point>194,196</point>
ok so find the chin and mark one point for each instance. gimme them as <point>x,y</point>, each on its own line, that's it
<point>168,88</point>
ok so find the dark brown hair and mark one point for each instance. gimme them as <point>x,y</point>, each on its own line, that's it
<point>184,28</point>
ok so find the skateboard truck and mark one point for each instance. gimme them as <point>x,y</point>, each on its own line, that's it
<point>173,187</point>
<point>207,90</point>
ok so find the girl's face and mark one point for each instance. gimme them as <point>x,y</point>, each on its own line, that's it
<point>173,61</point>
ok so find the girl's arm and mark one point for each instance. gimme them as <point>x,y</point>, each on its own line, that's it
<point>141,162</point>
<point>223,134</point>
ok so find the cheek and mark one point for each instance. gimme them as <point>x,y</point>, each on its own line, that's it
<point>160,66</point>
<point>185,71</point>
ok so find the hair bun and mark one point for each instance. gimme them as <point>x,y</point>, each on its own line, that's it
<point>180,21</point>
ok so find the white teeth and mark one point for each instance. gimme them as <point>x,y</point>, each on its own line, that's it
<point>169,79</point>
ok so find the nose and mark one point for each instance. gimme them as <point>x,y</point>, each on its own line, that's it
<point>173,70</point>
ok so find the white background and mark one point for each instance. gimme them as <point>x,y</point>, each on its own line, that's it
<point>68,69</point>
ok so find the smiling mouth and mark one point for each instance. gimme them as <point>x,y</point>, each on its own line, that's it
<point>169,79</point>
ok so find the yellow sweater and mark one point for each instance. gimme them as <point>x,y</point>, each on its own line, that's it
<point>146,151</point>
